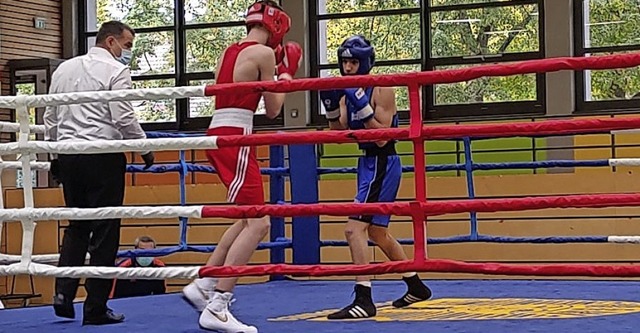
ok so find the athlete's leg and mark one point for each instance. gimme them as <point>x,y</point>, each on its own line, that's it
<point>356,234</point>
<point>245,189</point>
<point>226,161</point>
<point>379,234</point>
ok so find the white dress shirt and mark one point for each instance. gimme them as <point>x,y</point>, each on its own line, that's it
<point>94,71</point>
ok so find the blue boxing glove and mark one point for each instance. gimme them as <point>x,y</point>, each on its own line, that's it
<point>362,109</point>
<point>331,101</point>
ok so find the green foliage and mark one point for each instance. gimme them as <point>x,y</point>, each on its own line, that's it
<point>613,23</point>
<point>487,89</point>
<point>350,6</point>
<point>28,89</point>
<point>459,33</point>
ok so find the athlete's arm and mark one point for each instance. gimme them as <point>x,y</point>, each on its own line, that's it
<point>385,108</point>
<point>341,124</point>
<point>266,60</point>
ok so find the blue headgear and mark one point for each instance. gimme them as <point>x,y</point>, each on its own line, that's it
<point>357,47</point>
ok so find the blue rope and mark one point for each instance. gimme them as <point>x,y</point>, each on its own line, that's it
<point>183,199</point>
<point>488,166</point>
<point>165,251</point>
<point>468,167</point>
<point>163,168</point>
<point>492,239</point>
<point>157,135</point>
<point>541,164</point>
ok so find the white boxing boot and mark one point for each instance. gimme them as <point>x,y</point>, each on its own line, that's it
<point>199,291</point>
<point>217,317</point>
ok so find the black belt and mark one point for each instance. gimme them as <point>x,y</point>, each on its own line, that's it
<point>386,150</point>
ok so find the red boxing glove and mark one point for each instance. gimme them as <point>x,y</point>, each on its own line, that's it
<point>291,60</point>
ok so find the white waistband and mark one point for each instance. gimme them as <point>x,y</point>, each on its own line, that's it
<point>232,117</point>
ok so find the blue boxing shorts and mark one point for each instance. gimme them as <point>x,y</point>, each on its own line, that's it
<point>378,181</point>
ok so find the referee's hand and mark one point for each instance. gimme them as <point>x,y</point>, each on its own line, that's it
<point>148,160</point>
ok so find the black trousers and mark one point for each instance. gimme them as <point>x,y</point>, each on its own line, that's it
<point>91,181</point>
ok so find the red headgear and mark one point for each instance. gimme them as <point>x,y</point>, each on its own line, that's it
<point>273,19</point>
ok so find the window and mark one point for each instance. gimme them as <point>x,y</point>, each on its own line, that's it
<point>178,43</point>
<point>473,32</point>
<point>420,35</point>
<point>604,28</point>
<point>393,27</point>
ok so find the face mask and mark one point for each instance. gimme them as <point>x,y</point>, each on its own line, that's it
<point>144,261</point>
<point>125,57</point>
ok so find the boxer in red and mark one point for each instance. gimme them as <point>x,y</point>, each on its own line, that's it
<point>260,56</point>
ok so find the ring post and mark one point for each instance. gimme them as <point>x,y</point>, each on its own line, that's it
<point>415,130</point>
<point>28,225</point>
<point>1,197</point>
<point>276,195</point>
<point>183,200</point>
<point>303,166</point>
<point>468,167</point>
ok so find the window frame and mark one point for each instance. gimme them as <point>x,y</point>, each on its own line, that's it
<point>582,106</point>
<point>183,122</point>
<point>432,112</point>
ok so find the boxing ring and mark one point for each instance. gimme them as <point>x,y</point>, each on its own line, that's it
<point>296,306</point>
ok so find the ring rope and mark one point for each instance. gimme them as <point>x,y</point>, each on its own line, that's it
<point>437,132</point>
<point>509,239</point>
<point>432,208</point>
<point>53,258</point>
<point>429,265</point>
<point>388,80</point>
<point>433,77</point>
<point>9,127</point>
<point>102,272</point>
<point>338,209</point>
<point>108,146</point>
<point>283,171</point>
<point>32,101</point>
<point>131,212</point>
<point>21,102</point>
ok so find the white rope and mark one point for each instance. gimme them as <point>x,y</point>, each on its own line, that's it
<point>7,127</point>
<point>18,165</point>
<point>109,146</point>
<point>624,239</point>
<point>624,162</point>
<point>152,273</point>
<point>10,102</point>
<point>51,259</point>
<point>136,212</point>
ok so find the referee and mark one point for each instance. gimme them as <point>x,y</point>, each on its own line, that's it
<point>93,180</point>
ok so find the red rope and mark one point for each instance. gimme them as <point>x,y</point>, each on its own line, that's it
<point>430,208</point>
<point>430,265</point>
<point>436,132</point>
<point>432,77</point>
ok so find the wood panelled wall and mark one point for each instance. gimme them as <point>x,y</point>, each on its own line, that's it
<point>19,39</point>
<point>548,222</point>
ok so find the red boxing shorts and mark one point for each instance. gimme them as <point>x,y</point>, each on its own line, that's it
<point>238,169</point>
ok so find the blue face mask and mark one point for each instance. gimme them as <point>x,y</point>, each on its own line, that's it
<point>144,261</point>
<point>125,56</point>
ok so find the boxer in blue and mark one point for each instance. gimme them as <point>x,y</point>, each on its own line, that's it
<point>379,173</point>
